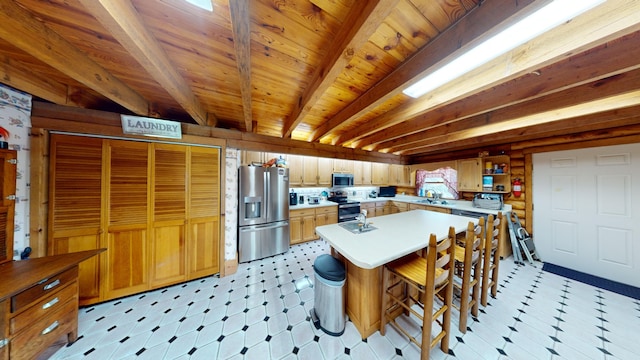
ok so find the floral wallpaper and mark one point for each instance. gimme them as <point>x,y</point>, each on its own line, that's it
<point>231,204</point>
<point>15,124</point>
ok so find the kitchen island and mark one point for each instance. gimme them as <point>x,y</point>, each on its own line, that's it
<point>365,253</point>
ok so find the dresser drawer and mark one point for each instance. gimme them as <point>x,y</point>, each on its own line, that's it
<point>44,307</point>
<point>44,288</point>
<point>41,334</point>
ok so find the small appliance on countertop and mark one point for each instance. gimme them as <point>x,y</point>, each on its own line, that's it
<point>488,201</point>
<point>293,198</point>
<point>387,191</point>
<point>313,200</point>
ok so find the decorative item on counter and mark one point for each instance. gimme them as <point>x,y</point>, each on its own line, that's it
<point>504,167</point>
<point>488,167</point>
<point>483,153</point>
<point>281,162</point>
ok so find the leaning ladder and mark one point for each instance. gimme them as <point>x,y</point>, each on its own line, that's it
<point>521,241</point>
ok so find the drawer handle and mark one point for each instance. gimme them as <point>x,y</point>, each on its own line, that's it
<point>50,328</point>
<point>50,303</point>
<point>52,285</point>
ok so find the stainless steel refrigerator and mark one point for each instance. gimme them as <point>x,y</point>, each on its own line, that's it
<point>263,216</point>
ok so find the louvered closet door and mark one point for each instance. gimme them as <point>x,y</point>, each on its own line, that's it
<point>75,198</point>
<point>169,194</point>
<point>127,177</point>
<point>203,246</point>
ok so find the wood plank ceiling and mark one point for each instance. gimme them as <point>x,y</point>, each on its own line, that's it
<point>329,71</point>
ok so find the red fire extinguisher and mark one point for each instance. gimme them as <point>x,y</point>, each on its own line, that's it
<point>517,187</point>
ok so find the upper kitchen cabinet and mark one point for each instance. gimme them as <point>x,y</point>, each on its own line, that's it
<point>399,175</point>
<point>379,174</point>
<point>296,169</point>
<point>343,166</point>
<point>317,171</point>
<point>257,157</point>
<point>324,175</point>
<point>472,171</point>
<point>469,175</point>
<point>362,173</point>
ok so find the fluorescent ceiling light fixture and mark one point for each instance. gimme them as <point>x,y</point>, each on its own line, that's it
<point>203,4</point>
<point>539,22</point>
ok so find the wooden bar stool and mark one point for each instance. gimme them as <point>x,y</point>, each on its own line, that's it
<point>468,265</point>
<point>420,278</point>
<point>491,261</point>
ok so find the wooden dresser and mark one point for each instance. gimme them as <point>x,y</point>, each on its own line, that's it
<point>39,303</point>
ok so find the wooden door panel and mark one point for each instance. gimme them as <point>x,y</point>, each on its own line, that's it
<point>76,182</point>
<point>170,185</point>
<point>204,182</point>
<point>126,271</point>
<point>168,255</point>
<point>204,248</point>
<point>88,270</point>
<point>128,181</point>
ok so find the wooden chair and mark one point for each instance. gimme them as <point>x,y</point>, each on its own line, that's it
<point>491,260</point>
<point>413,277</point>
<point>468,265</point>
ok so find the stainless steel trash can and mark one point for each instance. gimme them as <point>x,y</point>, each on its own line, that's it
<point>328,312</point>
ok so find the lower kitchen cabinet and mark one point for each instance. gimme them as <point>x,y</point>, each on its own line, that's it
<point>429,208</point>
<point>382,208</point>
<point>303,222</point>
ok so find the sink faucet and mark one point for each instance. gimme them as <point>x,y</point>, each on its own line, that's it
<point>362,218</point>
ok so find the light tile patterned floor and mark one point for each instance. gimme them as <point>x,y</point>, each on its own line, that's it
<point>261,312</point>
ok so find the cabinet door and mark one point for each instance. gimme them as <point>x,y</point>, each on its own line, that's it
<point>250,157</point>
<point>295,229</point>
<point>75,205</point>
<point>127,176</point>
<point>324,171</point>
<point>203,240</point>
<point>380,174</point>
<point>169,214</point>
<point>309,228</point>
<point>296,169</point>
<point>343,166</point>
<point>469,175</point>
<point>366,173</point>
<point>310,176</point>
<point>7,203</point>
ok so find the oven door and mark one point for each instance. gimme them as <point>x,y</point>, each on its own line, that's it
<point>348,212</point>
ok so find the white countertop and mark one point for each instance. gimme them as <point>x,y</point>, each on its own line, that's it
<point>396,235</point>
<point>450,204</point>
<point>307,205</point>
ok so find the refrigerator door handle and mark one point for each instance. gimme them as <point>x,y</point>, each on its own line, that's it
<point>264,226</point>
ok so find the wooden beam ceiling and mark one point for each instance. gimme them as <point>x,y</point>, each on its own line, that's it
<point>363,20</point>
<point>606,60</point>
<point>464,32</point>
<point>126,26</point>
<point>20,28</point>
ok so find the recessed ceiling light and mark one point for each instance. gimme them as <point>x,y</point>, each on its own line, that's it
<point>203,4</point>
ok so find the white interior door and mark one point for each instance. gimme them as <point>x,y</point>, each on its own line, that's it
<point>587,210</point>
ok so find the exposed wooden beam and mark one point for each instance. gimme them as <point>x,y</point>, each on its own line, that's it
<point>363,20</point>
<point>608,59</point>
<point>20,28</point>
<point>580,98</point>
<point>241,25</point>
<point>122,21</point>
<point>606,104</point>
<point>595,27</point>
<point>465,31</point>
<point>13,74</point>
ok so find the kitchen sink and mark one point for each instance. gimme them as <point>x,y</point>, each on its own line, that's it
<point>356,228</point>
<point>434,202</point>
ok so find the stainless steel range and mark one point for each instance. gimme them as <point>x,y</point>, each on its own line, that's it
<point>347,209</point>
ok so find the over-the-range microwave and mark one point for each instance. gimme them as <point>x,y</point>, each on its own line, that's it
<point>341,180</point>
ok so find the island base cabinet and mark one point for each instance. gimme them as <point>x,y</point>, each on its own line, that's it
<point>364,298</point>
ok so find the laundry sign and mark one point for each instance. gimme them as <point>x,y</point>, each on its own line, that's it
<point>137,125</point>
